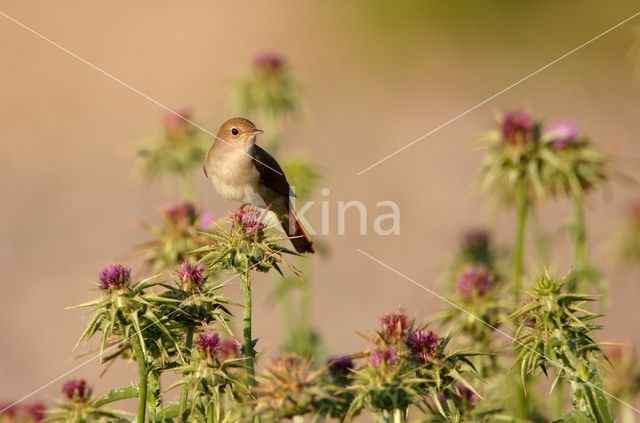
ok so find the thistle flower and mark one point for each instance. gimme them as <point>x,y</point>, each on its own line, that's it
<point>179,213</point>
<point>37,411</point>
<point>114,276</point>
<point>423,344</point>
<point>394,326</point>
<point>474,281</point>
<point>230,348</point>
<point>475,239</point>
<point>249,219</point>
<point>517,127</point>
<point>191,275</point>
<point>380,357</point>
<point>76,390</point>
<point>562,134</point>
<point>209,343</point>
<point>466,395</point>
<point>340,367</point>
<point>268,60</point>
<point>176,123</point>
<point>10,410</point>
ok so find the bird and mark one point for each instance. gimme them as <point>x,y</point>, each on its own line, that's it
<point>242,171</point>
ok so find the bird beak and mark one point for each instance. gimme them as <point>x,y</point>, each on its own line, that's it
<point>256,132</point>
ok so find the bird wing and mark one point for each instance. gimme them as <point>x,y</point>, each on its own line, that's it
<point>271,174</point>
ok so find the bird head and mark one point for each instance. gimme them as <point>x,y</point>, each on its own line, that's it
<point>238,131</point>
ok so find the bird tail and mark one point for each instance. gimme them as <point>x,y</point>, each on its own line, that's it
<point>297,233</point>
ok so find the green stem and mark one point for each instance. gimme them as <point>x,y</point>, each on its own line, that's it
<point>247,346</point>
<point>579,241</point>
<point>185,188</point>
<point>185,389</point>
<point>143,375</point>
<point>522,205</point>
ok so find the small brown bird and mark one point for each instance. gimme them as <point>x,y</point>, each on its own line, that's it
<point>242,171</point>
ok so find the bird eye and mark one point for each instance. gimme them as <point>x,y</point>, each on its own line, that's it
<point>234,131</point>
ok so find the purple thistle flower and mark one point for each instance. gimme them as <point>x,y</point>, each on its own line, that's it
<point>76,389</point>
<point>181,212</point>
<point>340,367</point>
<point>467,397</point>
<point>474,280</point>
<point>386,356</point>
<point>206,219</point>
<point>173,122</point>
<point>562,134</point>
<point>633,211</point>
<point>10,409</point>
<point>475,239</point>
<point>114,276</point>
<point>37,411</point>
<point>423,344</point>
<point>191,275</point>
<point>209,344</point>
<point>230,348</point>
<point>516,127</point>
<point>268,60</point>
<point>249,219</point>
<point>394,326</point>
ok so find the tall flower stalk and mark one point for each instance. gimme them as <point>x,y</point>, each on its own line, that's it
<point>246,247</point>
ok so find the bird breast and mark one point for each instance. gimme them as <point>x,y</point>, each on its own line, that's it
<point>233,175</point>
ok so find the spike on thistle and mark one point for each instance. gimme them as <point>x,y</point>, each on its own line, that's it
<point>114,276</point>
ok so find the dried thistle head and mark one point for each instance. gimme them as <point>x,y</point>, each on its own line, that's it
<point>288,387</point>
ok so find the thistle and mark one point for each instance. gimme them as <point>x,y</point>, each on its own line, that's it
<point>512,167</point>
<point>79,406</point>
<point>244,248</point>
<point>177,151</point>
<point>555,332</point>
<point>288,388</point>
<point>268,91</point>
<point>409,367</point>
<point>176,237</point>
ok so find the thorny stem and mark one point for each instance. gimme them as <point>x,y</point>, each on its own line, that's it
<point>518,252</point>
<point>247,346</point>
<point>185,389</point>
<point>143,375</point>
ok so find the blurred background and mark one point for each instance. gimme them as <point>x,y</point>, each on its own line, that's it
<point>374,75</point>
